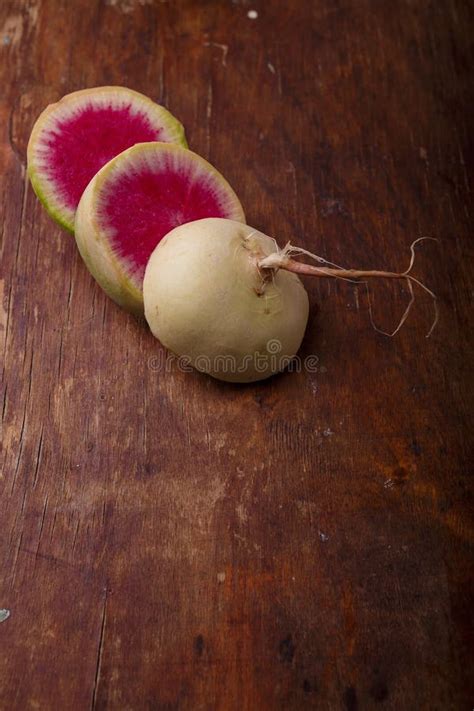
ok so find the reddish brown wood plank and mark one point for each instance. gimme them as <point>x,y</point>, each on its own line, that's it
<point>170,542</point>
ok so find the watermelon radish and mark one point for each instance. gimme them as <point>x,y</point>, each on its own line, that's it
<point>72,139</point>
<point>207,300</point>
<point>134,201</point>
<point>227,300</point>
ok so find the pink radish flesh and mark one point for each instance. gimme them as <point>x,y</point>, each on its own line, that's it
<point>81,145</point>
<point>139,208</point>
<point>134,201</point>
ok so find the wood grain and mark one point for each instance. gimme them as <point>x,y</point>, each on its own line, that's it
<point>169,542</point>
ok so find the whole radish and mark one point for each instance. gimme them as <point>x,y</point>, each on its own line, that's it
<point>206,299</point>
<point>225,297</point>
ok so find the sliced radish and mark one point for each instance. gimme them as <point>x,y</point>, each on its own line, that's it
<point>72,139</point>
<point>134,201</point>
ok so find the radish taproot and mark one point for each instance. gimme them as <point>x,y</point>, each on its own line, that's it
<point>73,138</point>
<point>137,198</point>
<point>225,298</point>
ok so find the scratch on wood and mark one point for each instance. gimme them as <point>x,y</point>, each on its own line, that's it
<point>223,47</point>
<point>69,296</point>
<point>30,370</point>
<point>104,313</point>
<point>104,511</point>
<point>38,457</point>
<point>22,213</point>
<point>4,409</point>
<point>100,651</point>
<point>74,361</point>
<point>75,533</point>
<point>43,516</point>
<point>3,315</point>
<point>292,170</point>
<point>127,6</point>
<point>47,556</point>
<point>161,77</point>
<point>145,419</point>
<point>16,151</point>
<point>278,75</point>
<point>356,297</point>
<point>23,502</point>
<point>20,450</point>
<point>60,356</point>
<point>53,525</point>
<point>208,116</point>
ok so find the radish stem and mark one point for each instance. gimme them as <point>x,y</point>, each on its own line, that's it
<point>282,259</point>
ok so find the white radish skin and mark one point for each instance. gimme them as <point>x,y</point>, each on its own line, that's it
<point>207,300</point>
<point>98,256</point>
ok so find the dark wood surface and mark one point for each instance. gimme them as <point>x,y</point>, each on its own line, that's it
<point>169,542</point>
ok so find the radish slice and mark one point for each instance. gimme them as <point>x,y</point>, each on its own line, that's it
<point>74,138</point>
<point>134,201</point>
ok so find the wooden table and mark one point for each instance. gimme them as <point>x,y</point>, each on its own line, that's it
<point>170,542</point>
